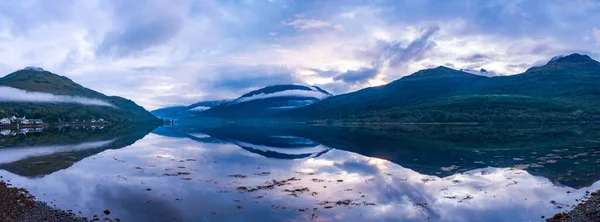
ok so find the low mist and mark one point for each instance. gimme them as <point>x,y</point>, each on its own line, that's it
<point>286,93</point>
<point>9,94</point>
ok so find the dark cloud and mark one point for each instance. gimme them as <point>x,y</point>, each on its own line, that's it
<point>396,54</point>
<point>357,76</point>
<point>139,26</point>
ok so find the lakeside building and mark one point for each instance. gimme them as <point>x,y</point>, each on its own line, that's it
<point>5,121</point>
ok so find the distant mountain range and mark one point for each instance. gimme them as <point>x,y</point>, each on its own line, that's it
<point>35,93</point>
<point>179,112</point>
<point>567,88</point>
<point>257,140</point>
<point>263,102</point>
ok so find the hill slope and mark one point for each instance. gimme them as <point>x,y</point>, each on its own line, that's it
<point>57,98</point>
<point>565,89</point>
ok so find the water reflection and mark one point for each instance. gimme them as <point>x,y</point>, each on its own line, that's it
<point>41,153</point>
<point>566,154</point>
<point>268,142</point>
<point>209,174</point>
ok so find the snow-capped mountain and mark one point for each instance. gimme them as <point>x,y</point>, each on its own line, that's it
<point>269,100</point>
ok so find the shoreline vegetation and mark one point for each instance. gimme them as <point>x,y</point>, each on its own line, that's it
<point>17,126</point>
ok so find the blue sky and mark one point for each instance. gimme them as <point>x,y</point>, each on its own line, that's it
<point>161,52</point>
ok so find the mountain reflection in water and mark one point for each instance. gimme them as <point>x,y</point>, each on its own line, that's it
<point>407,173</point>
<point>45,152</point>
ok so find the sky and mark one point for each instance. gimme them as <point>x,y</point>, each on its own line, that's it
<point>162,52</point>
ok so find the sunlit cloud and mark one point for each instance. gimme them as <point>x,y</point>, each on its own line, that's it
<point>164,53</point>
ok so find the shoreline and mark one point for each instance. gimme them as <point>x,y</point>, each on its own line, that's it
<point>12,126</point>
<point>588,210</point>
<point>17,204</point>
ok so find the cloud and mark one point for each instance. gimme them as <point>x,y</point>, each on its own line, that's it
<point>140,29</point>
<point>357,76</point>
<point>476,58</point>
<point>162,53</point>
<point>240,78</point>
<point>395,53</point>
<point>9,94</point>
<point>286,93</point>
<point>304,24</point>
<point>19,153</point>
<point>339,87</point>
<point>200,108</point>
<point>360,166</point>
<point>596,32</point>
<point>139,36</point>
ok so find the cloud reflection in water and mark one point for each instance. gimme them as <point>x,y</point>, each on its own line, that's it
<point>149,181</point>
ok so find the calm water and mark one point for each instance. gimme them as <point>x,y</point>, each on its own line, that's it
<point>307,173</point>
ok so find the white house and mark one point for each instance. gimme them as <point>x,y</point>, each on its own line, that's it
<point>37,121</point>
<point>5,121</point>
<point>24,121</point>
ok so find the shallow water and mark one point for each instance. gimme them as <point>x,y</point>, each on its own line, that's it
<point>308,173</point>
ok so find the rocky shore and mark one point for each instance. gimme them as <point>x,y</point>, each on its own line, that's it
<point>587,211</point>
<point>16,204</point>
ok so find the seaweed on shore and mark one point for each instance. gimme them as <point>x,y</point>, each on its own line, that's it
<point>14,202</point>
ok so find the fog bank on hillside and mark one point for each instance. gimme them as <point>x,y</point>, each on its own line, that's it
<point>9,94</point>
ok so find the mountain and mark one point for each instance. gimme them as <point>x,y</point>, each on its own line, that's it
<point>268,101</point>
<point>170,112</point>
<point>565,89</point>
<point>179,112</point>
<point>420,86</point>
<point>39,94</point>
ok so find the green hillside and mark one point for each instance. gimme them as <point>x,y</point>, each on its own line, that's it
<point>565,89</point>
<point>35,80</point>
